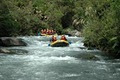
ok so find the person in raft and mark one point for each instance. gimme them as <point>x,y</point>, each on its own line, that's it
<point>50,32</point>
<point>54,38</point>
<point>63,38</point>
<point>47,32</point>
<point>53,32</point>
<point>42,32</point>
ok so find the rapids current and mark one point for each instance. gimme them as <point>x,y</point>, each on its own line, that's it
<point>42,62</point>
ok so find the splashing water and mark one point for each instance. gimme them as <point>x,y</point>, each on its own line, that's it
<point>43,62</point>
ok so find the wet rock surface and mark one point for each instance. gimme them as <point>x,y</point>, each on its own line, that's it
<point>13,51</point>
<point>4,51</point>
<point>11,41</point>
<point>88,57</point>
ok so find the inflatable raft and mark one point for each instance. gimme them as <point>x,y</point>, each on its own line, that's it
<point>43,34</point>
<point>59,43</point>
<point>49,35</point>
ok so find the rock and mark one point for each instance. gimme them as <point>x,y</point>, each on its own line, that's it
<point>4,51</point>
<point>18,51</point>
<point>87,57</point>
<point>82,47</point>
<point>74,33</point>
<point>11,41</point>
<point>90,57</point>
<point>91,48</point>
<point>13,51</point>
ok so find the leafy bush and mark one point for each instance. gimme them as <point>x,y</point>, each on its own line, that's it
<point>102,26</point>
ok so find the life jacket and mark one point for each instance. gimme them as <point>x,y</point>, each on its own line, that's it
<point>47,32</point>
<point>54,38</point>
<point>63,38</point>
<point>42,31</point>
<point>50,32</point>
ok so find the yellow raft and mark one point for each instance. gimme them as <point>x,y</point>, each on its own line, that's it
<point>49,35</point>
<point>43,34</point>
<point>59,43</point>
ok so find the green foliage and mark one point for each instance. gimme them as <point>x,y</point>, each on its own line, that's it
<point>102,26</point>
<point>99,20</point>
<point>20,4</point>
<point>8,26</point>
<point>39,14</point>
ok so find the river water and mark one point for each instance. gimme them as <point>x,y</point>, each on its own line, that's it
<point>42,62</point>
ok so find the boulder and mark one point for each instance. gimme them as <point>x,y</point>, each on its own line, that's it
<point>88,56</point>
<point>11,41</point>
<point>74,33</point>
<point>18,51</point>
<point>4,51</point>
<point>13,51</point>
<point>82,47</point>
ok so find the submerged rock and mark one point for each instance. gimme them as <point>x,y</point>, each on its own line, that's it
<point>82,47</point>
<point>11,41</point>
<point>4,51</point>
<point>91,48</point>
<point>88,57</point>
<point>13,51</point>
<point>19,51</point>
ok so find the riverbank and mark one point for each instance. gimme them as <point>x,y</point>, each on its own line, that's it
<point>107,51</point>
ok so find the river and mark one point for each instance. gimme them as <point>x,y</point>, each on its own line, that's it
<point>42,62</point>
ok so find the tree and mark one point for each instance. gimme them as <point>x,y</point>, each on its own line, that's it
<point>8,26</point>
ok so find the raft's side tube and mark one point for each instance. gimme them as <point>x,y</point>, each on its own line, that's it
<point>59,43</point>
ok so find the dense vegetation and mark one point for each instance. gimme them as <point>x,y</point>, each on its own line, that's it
<point>99,20</point>
<point>102,28</point>
<point>30,15</point>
